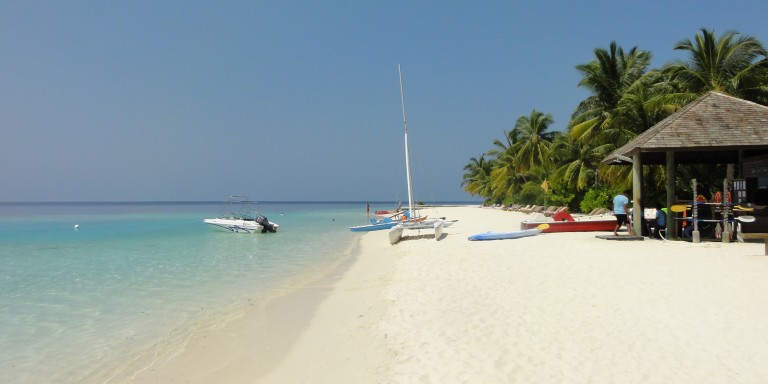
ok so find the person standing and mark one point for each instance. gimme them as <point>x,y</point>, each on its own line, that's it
<point>620,203</point>
<point>661,221</point>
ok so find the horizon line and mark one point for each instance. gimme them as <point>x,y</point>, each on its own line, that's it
<point>224,201</point>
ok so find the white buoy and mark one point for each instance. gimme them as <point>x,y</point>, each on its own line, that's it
<point>77,226</point>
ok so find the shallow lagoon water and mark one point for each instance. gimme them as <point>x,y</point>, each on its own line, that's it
<point>134,281</point>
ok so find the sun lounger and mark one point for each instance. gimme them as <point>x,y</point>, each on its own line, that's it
<point>557,209</point>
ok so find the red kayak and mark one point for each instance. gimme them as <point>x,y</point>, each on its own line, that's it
<point>387,212</point>
<point>564,222</point>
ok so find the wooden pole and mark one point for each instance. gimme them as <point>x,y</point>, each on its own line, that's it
<point>671,224</point>
<point>637,182</point>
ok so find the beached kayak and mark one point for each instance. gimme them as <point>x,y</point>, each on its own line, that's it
<point>490,235</point>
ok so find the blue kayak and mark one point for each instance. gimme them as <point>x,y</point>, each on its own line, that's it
<point>490,235</point>
<point>374,226</point>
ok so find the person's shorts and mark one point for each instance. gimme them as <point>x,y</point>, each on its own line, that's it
<point>621,219</point>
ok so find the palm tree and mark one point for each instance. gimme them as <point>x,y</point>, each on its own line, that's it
<point>608,77</point>
<point>503,176</point>
<point>578,163</point>
<point>532,147</point>
<point>503,148</point>
<point>639,108</point>
<point>476,179</point>
<point>731,64</point>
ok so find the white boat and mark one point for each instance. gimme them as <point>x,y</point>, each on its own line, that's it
<point>240,218</point>
<point>436,225</point>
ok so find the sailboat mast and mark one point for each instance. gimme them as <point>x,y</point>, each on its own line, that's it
<point>407,154</point>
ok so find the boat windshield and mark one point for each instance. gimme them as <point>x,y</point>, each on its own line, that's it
<point>240,208</point>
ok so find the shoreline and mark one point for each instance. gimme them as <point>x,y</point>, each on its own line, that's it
<point>548,308</point>
<point>249,347</point>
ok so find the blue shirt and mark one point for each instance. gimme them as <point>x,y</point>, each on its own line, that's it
<point>661,218</point>
<point>619,202</point>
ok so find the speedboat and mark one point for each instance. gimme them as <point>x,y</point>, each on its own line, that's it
<point>242,220</point>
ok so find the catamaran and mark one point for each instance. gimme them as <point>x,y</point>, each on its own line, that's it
<point>384,223</point>
<point>413,222</point>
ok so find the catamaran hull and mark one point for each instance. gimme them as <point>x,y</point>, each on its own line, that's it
<point>437,225</point>
<point>237,226</point>
<point>383,224</point>
<point>439,229</point>
<point>395,234</point>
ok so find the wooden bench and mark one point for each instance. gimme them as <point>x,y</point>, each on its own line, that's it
<point>764,236</point>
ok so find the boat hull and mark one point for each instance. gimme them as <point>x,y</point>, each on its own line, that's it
<point>573,226</point>
<point>490,235</point>
<point>395,234</point>
<point>237,226</point>
<point>437,225</point>
<point>388,213</point>
<point>383,224</point>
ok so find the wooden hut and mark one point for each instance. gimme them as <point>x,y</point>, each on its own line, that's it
<point>713,129</point>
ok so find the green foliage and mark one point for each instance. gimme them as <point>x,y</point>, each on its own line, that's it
<point>532,193</point>
<point>596,198</point>
<point>626,97</point>
<point>559,197</point>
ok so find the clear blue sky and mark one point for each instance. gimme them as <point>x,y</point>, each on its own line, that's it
<point>297,100</point>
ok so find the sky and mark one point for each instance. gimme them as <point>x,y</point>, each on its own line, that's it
<point>299,100</point>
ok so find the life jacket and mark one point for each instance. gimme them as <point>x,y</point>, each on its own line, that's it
<point>718,197</point>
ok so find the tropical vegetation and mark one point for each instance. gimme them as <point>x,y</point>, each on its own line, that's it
<point>533,164</point>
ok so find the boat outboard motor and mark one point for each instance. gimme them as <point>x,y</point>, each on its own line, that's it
<point>265,224</point>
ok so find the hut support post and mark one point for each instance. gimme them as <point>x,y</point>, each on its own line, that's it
<point>671,224</point>
<point>637,191</point>
<point>695,215</point>
<point>726,210</point>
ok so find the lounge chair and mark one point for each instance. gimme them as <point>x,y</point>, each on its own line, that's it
<point>557,209</point>
<point>550,210</point>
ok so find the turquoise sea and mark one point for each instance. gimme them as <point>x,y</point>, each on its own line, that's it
<point>135,280</point>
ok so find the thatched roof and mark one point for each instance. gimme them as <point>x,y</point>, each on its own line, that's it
<point>711,129</point>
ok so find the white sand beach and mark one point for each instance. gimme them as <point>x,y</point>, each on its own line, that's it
<point>552,308</point>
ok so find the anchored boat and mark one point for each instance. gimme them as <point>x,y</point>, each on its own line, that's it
<point>241,218</point>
